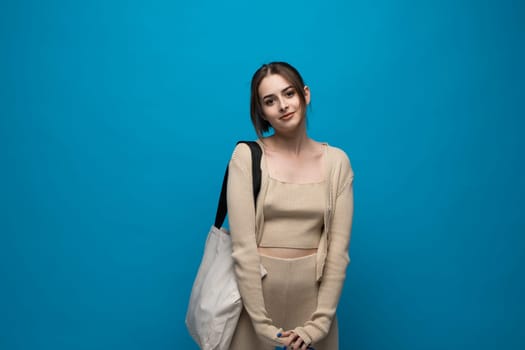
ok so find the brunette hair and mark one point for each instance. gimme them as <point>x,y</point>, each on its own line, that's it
<point>283,69</point>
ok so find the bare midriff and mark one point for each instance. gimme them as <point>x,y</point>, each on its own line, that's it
<point>286,253</point>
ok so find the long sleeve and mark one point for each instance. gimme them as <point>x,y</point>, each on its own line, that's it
<point>241,218</point>
<point>337,260</point>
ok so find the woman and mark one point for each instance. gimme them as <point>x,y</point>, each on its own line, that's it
<point>291,251</point>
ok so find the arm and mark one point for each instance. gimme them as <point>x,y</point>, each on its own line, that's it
<point>337,260</point>
<point>241,217</point>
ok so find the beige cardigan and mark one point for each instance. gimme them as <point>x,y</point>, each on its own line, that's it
<point>332,255</point>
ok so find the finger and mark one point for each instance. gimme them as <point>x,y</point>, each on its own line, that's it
<point>285,340</point>
<point>298,344</point>
<point>292,339</point>
<point>286,333</point>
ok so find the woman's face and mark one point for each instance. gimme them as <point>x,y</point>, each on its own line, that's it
<point>281,103</point>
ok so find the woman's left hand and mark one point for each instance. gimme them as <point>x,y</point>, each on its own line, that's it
<point>293,341</point>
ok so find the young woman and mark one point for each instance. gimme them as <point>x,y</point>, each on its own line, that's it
<point>291,251</point>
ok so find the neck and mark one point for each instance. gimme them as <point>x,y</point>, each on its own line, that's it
<point>294,144</point>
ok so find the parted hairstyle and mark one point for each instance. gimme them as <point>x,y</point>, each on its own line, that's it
<point>283,69</point>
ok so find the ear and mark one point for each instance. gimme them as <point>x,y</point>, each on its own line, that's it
<point>307,94</point>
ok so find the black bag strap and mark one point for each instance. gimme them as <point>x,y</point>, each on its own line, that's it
<point>222,207</point>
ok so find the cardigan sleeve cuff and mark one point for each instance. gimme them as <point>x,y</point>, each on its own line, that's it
<point>311,333</point>
<point>269,335</point>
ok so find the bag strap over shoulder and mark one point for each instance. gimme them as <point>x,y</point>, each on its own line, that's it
<point>222,207</point>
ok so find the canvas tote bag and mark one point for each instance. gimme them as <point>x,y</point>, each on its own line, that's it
<point>215,303</point>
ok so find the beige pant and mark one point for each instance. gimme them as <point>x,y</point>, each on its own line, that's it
<point>290,296</point>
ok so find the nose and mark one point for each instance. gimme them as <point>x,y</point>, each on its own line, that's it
<point>283,104</point>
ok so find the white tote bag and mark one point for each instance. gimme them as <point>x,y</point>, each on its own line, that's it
<point>215,303</point>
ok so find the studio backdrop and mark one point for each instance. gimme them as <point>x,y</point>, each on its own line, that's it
<point>117,119</point>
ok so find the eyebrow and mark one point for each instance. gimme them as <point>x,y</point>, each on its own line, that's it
<point>283,90</point>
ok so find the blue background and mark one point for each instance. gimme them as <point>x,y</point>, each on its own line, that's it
<point>118,118</point>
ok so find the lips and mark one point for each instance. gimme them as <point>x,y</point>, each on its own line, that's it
<point>287,116</point>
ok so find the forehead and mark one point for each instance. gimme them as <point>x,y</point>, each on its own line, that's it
<point>273,84</point>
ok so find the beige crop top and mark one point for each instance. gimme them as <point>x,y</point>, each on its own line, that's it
<point>293,214</point>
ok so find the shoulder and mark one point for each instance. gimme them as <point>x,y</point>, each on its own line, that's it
<point>338,157</point>
<point>341,171</point>
<point>242,154</point>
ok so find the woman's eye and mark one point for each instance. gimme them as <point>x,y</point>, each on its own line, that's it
<point>268,102</point>
<point>290,93</point>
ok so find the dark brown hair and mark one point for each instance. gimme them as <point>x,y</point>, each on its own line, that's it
<point>287,72</point>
